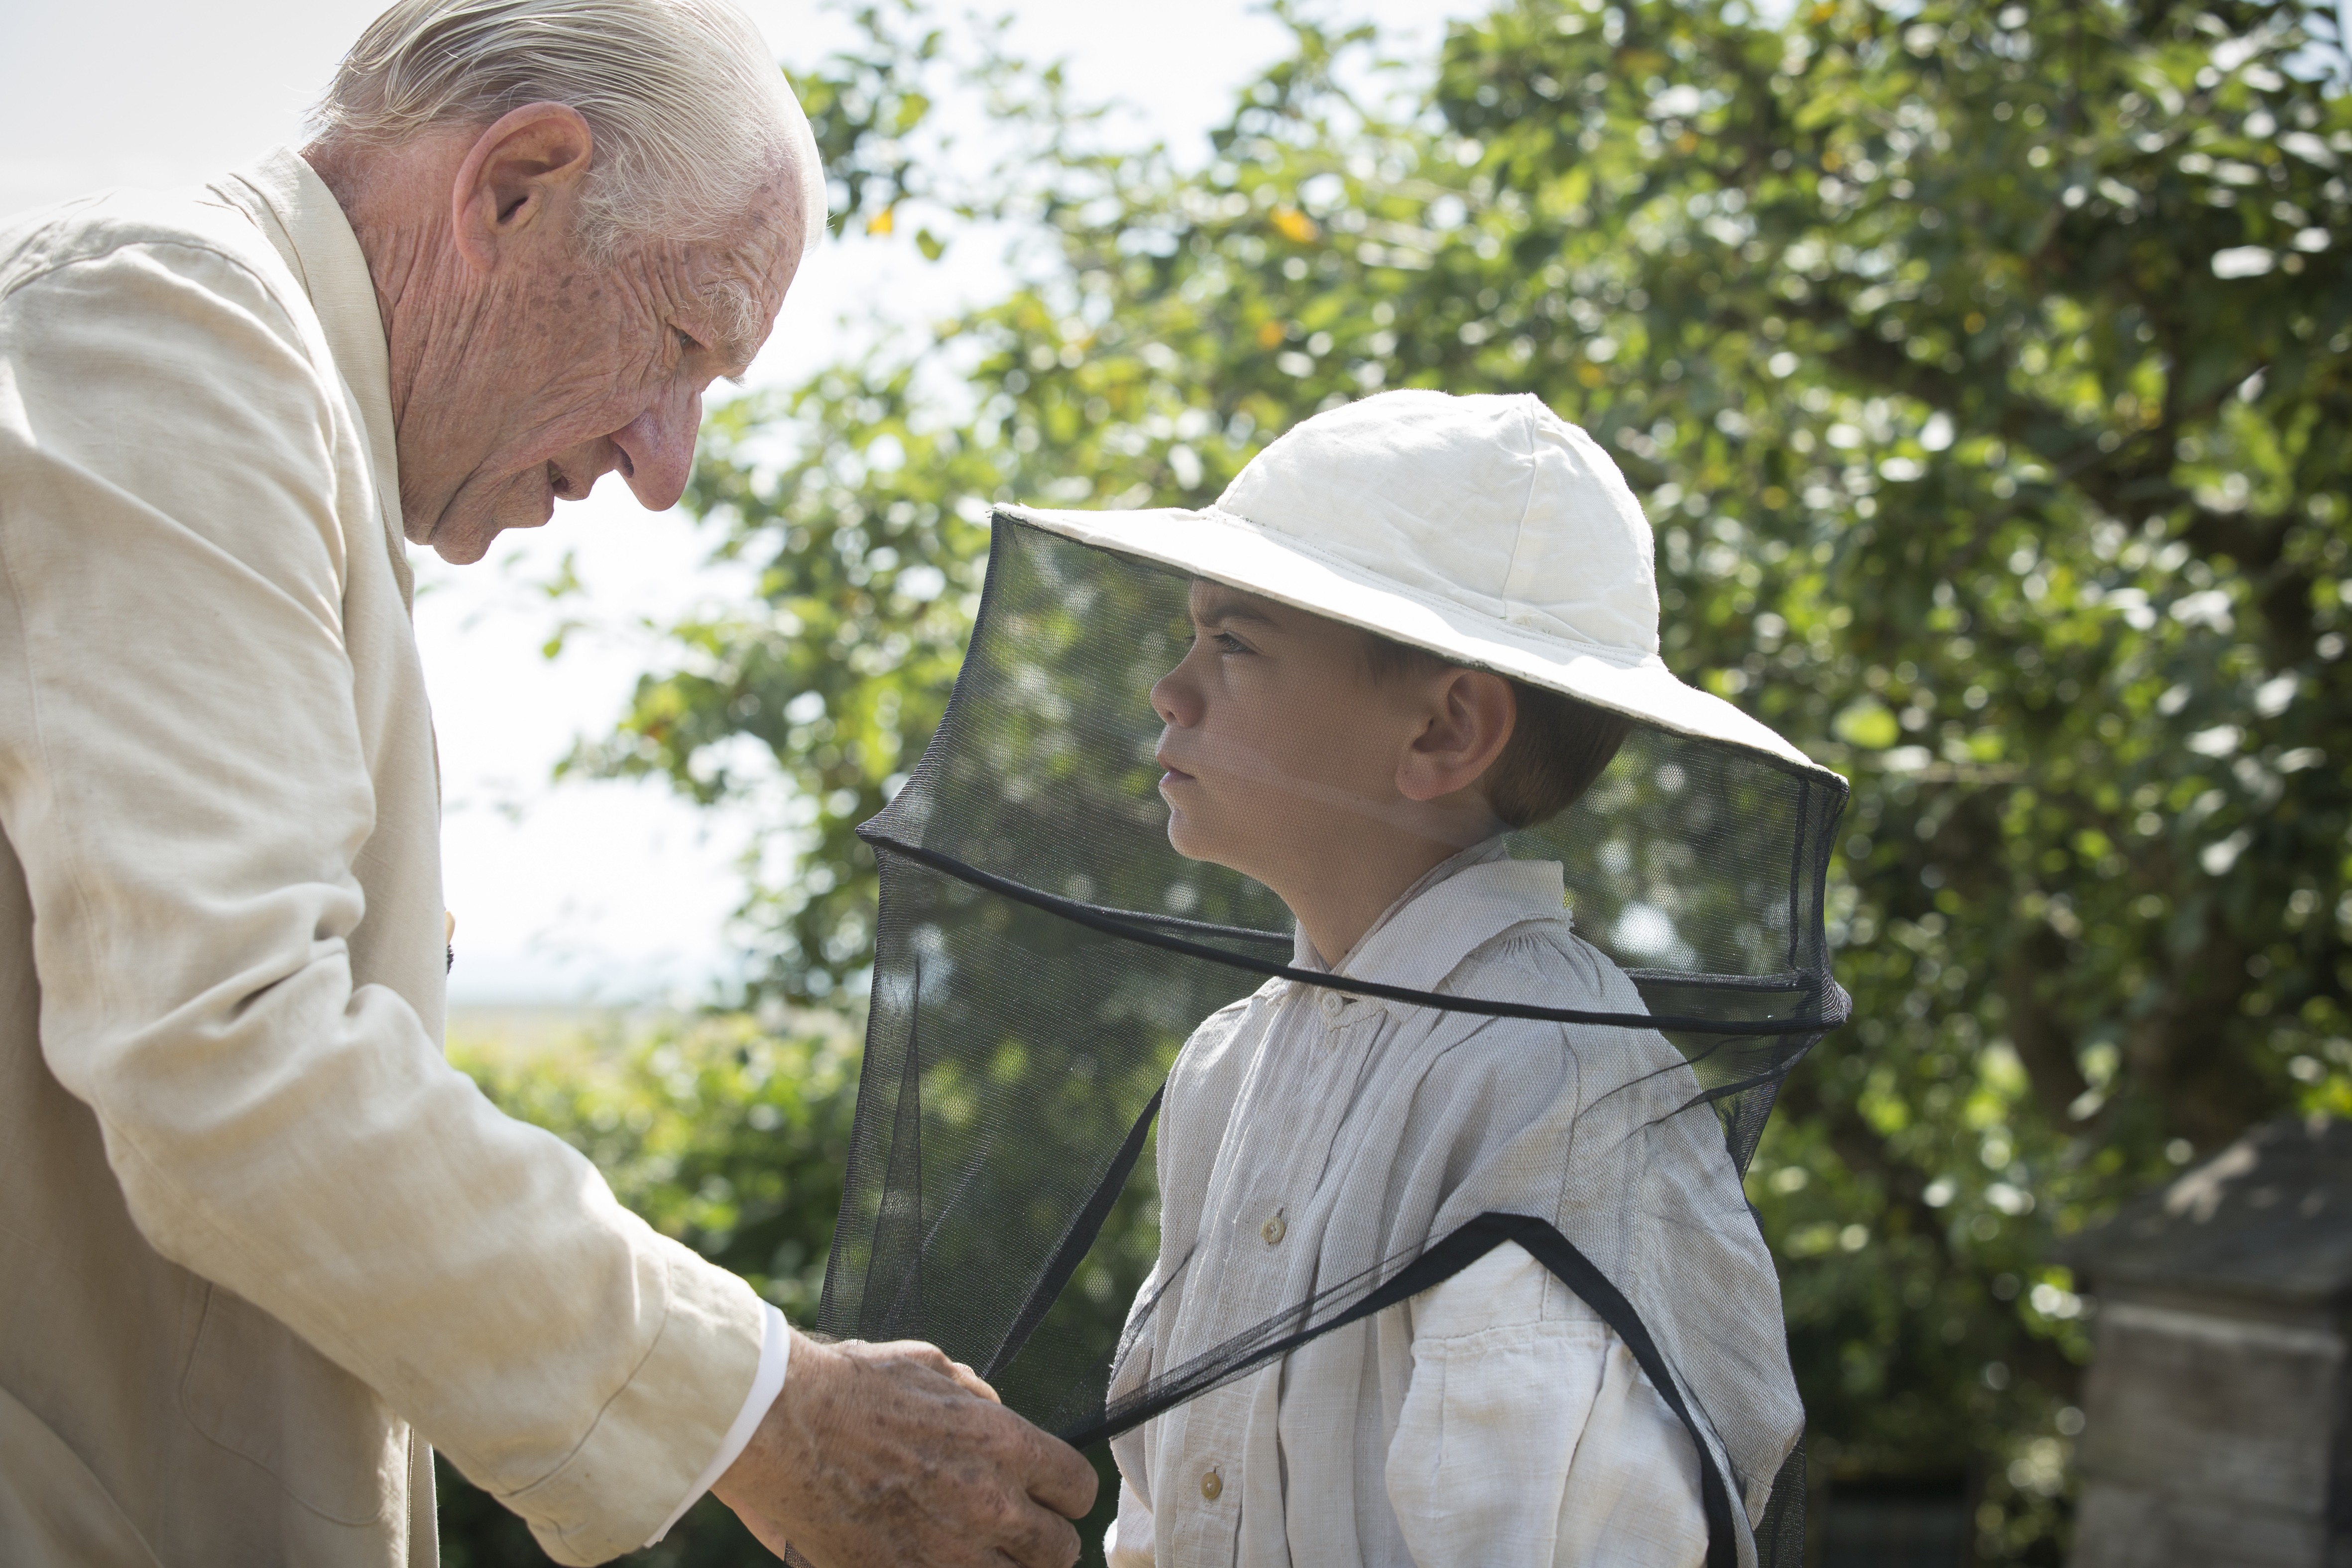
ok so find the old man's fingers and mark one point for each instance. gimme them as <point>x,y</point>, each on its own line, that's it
<point>887,1454</point>
<point>973,1381</point>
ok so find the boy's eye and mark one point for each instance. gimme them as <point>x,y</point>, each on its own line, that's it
<point>1223,642</point>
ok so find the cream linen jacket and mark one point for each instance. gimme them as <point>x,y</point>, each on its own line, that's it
<point>258,1242</point>
<point>1494,1420</point>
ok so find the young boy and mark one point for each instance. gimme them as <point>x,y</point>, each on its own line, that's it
<point>1308,1134</point>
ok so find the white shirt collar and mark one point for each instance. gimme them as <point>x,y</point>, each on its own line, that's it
<point>1458,904</point>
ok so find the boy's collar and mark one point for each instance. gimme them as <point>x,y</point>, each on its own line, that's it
<point>1461,903</point>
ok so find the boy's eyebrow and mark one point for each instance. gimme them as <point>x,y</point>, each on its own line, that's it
<point>1233,607</point>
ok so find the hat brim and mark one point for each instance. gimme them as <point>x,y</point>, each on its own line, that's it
<point>1237,553</point>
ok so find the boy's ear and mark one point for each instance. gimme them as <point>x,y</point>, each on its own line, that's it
<point>1468,723</point>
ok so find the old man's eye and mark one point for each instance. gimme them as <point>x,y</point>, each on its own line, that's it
<point>686,342</point>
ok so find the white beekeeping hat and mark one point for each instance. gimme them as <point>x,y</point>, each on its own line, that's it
<point>1486,530</point>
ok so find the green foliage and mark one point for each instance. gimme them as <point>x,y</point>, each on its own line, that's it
<point>724,1132</point>
<point>1984,367</point>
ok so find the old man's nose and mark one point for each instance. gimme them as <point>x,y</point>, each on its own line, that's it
<point>658,450</point>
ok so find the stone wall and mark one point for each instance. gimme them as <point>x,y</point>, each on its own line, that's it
<point>2212,1438</point>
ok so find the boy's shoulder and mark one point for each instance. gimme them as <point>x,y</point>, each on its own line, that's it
<point>1206,1079</point>
<point>1209,1050</point>
<point>1494,921</point>
<point>1542,961</point>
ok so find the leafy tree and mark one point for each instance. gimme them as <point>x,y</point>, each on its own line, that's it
<point>729,1132</point>
<point>1984,368</point>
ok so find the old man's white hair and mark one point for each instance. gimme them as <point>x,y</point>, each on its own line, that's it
<point>691,115</point>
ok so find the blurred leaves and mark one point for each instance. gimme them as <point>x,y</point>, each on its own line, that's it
<point>729,1132</point>
<point>1984,368</point>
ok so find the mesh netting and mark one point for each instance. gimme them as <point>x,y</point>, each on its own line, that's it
<point>1043,954</point>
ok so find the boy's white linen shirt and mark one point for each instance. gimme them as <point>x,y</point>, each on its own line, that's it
<point>1493,1420</point>
<point>1529,1435</point>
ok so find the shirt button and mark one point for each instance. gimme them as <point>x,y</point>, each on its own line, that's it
<point>1331,1003</point>
<point>1274,1230</point>
<point>1211,1484</point>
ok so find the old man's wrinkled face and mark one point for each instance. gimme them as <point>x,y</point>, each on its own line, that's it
<point>581,370</point>
<point>524,365</point>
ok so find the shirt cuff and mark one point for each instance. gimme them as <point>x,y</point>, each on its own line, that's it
<point>775,1353</point>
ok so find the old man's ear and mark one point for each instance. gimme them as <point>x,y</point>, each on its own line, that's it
<point>529,161</point>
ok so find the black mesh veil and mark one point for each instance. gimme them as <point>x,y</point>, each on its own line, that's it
<point>1043,954</point>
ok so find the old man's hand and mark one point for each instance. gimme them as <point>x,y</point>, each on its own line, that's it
<point>876,1456</point>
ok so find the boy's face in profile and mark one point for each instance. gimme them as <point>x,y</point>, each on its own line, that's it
<point>1280,747</point>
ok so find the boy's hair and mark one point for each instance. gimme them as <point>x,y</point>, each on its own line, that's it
<point>1558,745</point>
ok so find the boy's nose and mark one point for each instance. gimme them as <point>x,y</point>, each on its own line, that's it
<point>1174,702</point>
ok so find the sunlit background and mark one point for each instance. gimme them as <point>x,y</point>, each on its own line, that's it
<point>1983,369</point>
<point>601,892</point>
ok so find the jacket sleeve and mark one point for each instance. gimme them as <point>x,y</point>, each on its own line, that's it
<point>182,774</point>
<point>1530,1437</point>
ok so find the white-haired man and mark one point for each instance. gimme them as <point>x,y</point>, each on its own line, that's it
<point>259,1243</point>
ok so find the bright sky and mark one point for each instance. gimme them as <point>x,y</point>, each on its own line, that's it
<point>581,891</point>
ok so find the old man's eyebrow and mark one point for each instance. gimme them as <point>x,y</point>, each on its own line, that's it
<point>733,308</point>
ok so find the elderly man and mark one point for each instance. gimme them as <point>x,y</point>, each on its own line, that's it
<point>259,1243</point>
